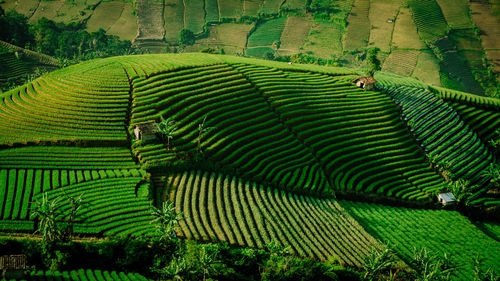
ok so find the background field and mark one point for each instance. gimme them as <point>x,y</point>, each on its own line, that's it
<point>338,30</point>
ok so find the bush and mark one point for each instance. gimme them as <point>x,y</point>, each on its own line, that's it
<point>186,37</point>
<point>293,268</point>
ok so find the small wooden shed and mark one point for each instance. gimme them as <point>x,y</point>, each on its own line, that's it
<point>365,82</point>
<point>13,266</point>
<point>447,198</point>
<point>146,131</point>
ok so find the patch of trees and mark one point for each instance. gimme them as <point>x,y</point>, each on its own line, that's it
<point>68,42</point>
<point>186,37</point>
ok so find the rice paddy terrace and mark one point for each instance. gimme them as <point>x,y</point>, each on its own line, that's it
<point>259,150</point>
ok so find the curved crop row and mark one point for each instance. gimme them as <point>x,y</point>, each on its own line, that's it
<point>356,135</point>
<point>58,157</point>
<point>223,208</point>
<point>114,206</point>
<point>68,105</point>
<point>485,122</point>
<point>461,97</point>
<point>244,132</point>
<point>18,186</point>
<point>442,134</point>
<point>12,67</point>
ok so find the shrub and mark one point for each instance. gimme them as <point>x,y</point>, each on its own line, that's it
<point>293,268</point>
<point>186,37</point>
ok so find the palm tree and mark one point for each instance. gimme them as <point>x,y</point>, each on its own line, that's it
<point>47,212</point>
<point>201,130</point>
<point>430,267</point>
<point>373,61</point>
<point>166,220</point>
<point>208,259</point>
<point>462,190</point>
<point>167,129</point>
<point>76,204</point>
<point>175,270</point>
<point>378,261</point>
<point>493,172</point>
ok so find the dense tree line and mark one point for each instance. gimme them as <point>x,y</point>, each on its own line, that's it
<point>68,42</point>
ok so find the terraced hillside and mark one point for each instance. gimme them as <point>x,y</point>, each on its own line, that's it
<point>256,153</point>
<point>11,68</point>
<point>243,213</point>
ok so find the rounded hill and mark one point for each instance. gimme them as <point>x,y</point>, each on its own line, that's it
<point>250,151</point>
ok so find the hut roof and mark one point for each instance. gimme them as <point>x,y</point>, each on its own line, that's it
<point>367,80</point>
<point>13,262</point>
<point>147,128</point>
<point>447,197</point>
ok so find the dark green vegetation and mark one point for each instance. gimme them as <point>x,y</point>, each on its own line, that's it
<point>63,41</point>
<point>252,153</point>
<point>149,259</point>
<point>49,45</point>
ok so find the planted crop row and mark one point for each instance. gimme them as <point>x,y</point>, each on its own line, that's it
<point>55,157</point>
<point>223,208</point>
<point>56,123</point>
<point>356,135</point>
<point>151,154</point>
<point>12,67</point>
<point>16,226</point>
<point>85,275</point>
<point>440,231</point>
<point>447,140</point>
<point>386,79</point>
<point>18,186</point>
<point>267,33</point>
<point>142,67</point>
<point>466,98</point>
<point>68,105</point>
<point>145,66</point>
<point>114,206</point>
<point>454,65</point>
<point>244,132</point>
<point>429,19</point>
<point>484,121</point>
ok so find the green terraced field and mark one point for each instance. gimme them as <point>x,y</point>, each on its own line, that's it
<point>282,140</point>
<point>11,68</point>
<point>442,134</point>
<point>223,208</point>
<point>438,230</point>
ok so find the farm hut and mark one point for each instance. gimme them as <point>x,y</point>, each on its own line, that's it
<point>447,198</point>
<point>146,131</point>
<point>364,82</point>
<point>13,266</point>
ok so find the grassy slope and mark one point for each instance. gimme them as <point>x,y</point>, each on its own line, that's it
<point>313,108</point>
